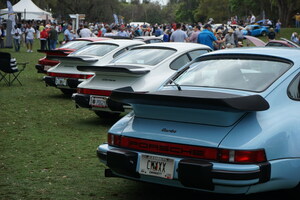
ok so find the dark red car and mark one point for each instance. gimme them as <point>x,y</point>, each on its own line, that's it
<point>44,63</point>
<point>283,42</point>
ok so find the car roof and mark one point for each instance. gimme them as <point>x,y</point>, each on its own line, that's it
<point>92,39</point>
<point>252,25</point>
<point>178,46</point>
<point>120,42</point>
<point>146,37</point>
<point>291,54</point>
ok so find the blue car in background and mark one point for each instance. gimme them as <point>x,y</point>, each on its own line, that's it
<point>256,30</point>
<point>227,123</point>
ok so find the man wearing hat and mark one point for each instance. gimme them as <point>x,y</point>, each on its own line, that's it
<point>207,37</point>
<point>239,34</point>
<point>220,37</point>
<point>229,39</point>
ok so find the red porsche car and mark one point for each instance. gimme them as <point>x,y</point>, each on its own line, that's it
<point>44,63</point>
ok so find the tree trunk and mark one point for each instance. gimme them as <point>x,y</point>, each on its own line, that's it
<point>286,9</point>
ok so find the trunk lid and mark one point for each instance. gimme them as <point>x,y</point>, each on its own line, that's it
<point>112,77</point>
<point>187,117</point>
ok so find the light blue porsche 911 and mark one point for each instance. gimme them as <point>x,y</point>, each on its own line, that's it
<point>227,123</point>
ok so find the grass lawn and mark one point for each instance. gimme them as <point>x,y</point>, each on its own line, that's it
<point>48,147</point>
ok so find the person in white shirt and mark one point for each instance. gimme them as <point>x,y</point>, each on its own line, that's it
<point>253,19</point>
<point>30,32</point>
<point>85,32</point>
<point>109,33</point>
<point>16,33</point>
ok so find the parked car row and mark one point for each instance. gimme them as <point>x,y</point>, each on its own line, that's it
<point>142,69</point>
<point>223,121</point>
<point>65,75</point>
<point>44,63</point>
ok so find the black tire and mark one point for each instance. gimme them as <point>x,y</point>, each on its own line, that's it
<point>264,33</point>
<point>107,115</point>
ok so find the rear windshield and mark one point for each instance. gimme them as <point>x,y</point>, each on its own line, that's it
<point>240,74</point>
<point>75,44</point>
<point>275,44</point>
<point>95,49</point>
<point>144,56</point>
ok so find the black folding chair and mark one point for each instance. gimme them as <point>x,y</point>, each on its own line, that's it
<point>9,67</point>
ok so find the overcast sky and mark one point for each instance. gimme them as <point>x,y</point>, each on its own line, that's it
<point>163,2</point>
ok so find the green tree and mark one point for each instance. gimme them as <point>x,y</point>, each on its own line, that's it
<point>168,13</point>
<point>244,8</point>
<point>286,10</point>
<point>206,9</point>
<point>185,10</point>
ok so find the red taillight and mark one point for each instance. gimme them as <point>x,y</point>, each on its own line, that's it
<point>79,76</point>
<point>114,140</point>
<point>242,156</point>
<point>94,92</point>
<point>216,154</point>
<point>169,148</point>
<point>44,61</point>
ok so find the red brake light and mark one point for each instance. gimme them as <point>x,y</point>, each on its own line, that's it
<point>94,92</point>
<point>45,61</point>
<point>113,140</point>
<point>208,153</point>
<point>250,156</point>
<point>79,76</point>
<point>242,156</point>
<point>169,148</point>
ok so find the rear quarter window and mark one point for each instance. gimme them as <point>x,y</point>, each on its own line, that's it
<point>294,89</point>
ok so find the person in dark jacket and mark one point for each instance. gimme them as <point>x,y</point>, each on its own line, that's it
<point>271,34</point>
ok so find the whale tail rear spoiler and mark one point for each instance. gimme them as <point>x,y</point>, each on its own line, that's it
<point>57,52</point>
<point>133,70</point>
<point>73,58</point>
<point>193,99</point>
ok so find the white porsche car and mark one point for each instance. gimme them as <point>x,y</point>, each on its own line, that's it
<point>65,75</point>
<point>142,69</point>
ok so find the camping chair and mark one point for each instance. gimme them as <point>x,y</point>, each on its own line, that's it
<point>9,66</point>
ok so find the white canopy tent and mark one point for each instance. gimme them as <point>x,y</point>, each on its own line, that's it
<point>28,10</point>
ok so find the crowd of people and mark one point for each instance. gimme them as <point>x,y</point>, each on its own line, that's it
<point>228,35</point>
<point>26,33</point>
